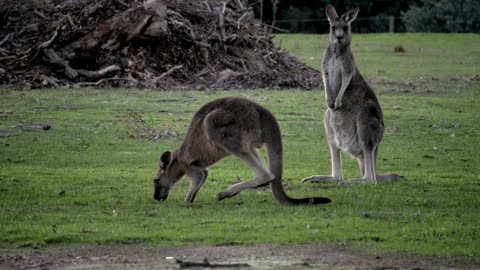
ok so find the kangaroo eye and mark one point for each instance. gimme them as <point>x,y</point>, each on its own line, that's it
<point>332,28</point>
<point>345,28</point>
<point>156,181</point>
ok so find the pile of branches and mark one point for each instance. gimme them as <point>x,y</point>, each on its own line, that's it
<point>166,44</point>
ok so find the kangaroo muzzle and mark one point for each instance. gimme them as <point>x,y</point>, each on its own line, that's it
<point>160,197</point>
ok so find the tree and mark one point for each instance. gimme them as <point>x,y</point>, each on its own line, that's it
<point>297,17</point>
<point>443,16</point>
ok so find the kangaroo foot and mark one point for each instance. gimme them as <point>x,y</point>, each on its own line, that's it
<point>380,178</point>
<point>225,194</point>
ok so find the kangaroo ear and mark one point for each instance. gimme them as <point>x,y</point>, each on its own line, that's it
<point>331,13</point>
<point>165,159</point>
<point>350,15</point>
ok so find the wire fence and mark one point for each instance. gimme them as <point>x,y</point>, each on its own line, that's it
<point>378,24</point>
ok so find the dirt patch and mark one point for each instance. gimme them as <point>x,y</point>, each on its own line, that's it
<point>265,256</point>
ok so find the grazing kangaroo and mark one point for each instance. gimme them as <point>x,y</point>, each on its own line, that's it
<point>353,120</point>
<point>227,126</point>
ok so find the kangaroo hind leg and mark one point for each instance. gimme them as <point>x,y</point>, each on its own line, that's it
<point>336,161</point>
<point>369,129</point>
<point>238,138</point>
<point>367,164</point>
<point>262,176</point>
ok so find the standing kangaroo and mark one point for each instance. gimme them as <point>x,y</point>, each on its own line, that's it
<point>353,120</point>
<point>227,126</point>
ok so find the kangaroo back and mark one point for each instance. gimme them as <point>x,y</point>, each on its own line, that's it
<point>273,141</point>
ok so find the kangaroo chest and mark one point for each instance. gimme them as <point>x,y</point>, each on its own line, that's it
<point>333,69</point>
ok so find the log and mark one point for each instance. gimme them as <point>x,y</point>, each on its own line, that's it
<point>55,59</point>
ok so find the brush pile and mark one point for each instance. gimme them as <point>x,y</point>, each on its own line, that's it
<point>164,44</point>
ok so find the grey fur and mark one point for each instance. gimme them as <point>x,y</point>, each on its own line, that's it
<point>354,119</point>
<point>227,126</point>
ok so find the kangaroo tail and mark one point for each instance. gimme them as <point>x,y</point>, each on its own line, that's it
<point>273,140</point>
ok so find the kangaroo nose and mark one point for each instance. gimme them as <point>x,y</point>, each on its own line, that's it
<point>159,197</point>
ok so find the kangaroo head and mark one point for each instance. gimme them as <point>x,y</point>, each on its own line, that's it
<point>168,174</point>
<point>340,32</point>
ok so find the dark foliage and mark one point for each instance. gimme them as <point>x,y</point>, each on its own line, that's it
<point>443,16</point>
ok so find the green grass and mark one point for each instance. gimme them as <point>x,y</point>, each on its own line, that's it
<point>426,56</point>
<point>87,181</point>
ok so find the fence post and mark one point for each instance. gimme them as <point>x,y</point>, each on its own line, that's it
<point>391,24</point>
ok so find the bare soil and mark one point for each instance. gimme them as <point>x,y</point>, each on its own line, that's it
<point>265,256</point>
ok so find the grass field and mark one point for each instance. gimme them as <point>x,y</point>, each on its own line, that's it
<point>426,55</point>
<point>90,178</point>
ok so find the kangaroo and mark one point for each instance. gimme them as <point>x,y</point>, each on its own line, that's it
<point>354,119</point>
<point>227,126</point>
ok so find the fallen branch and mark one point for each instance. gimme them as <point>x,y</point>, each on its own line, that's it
<point>44,45</point>
<point>104,80</point>
<point>7,57</point>
<point>54,58</point>
<point>99,73</point>
<point>6,38</point>
<point>221,20</point>
<point>48,80</point>
<point>278,29</point>
<point>207,264</point>
<point>41,15</point>
<point>168,72</point>
<point>70,20</point>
